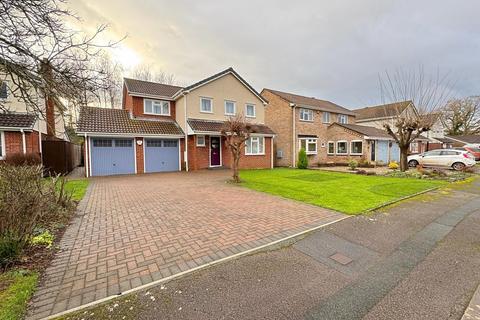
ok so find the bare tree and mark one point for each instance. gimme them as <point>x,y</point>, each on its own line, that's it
<point>236,131</point>
<point>427,95</point>
<point>146,72</point>
<point>41,56</point>
<point>462,116</point>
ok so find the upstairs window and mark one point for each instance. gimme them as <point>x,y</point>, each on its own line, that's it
<point>342,118</point>
<point>306,115</point>
<point>229,108</point>
<point>309,145</point>
<point>206,105</point>
<point>3,90</point>
<point>250,110</point>
<point>157,107</point>
<point>326,117</point>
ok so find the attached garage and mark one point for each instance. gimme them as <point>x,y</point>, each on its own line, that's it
<point>112,156</point>
<point>162,155</point>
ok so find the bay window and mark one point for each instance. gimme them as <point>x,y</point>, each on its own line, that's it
<point>255,146</point>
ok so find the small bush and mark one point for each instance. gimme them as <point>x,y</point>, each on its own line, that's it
<point>302,162</point>
<point>393,165</point>
<point>352,164</point>
<point>21,159</point>
<point>363,163</point>
<point>26,201</point>
<point>43,239</point>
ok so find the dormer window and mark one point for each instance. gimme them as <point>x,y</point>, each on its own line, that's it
<point>156,107</point>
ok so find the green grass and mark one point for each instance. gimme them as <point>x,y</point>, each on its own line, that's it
<point>77,187</point>
<point>345,192</point>
<point>16,288</point>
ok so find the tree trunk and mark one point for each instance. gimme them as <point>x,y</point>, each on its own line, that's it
<point>236,159</point>
<point>403,159</point>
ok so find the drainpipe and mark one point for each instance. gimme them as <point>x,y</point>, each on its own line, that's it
<point>186,133</point>
<point>24,143</point>
<point>40,142</point>
<point>293,135</point>
<point>86,158</point>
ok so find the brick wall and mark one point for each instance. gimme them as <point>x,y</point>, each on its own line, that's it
<point>139,155</point>
<point>14,144</point>
<point>198,157</point>
<point>278,116</point>
<point>337,133</point>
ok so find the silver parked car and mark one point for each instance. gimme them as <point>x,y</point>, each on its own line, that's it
<point>456,159</point>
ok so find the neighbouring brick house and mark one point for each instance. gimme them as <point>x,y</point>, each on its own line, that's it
<point>460,141</point>
<point>301,122</point>
<point>21,129</point>
<point>169,128</point>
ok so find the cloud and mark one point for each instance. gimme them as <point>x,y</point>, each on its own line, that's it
<point>328,49</point>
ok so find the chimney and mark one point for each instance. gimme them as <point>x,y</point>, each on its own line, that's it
<point>46,71</point>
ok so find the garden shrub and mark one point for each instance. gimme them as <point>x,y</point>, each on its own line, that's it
<point>26,200</point>
<point>43,239</point>
<point>302,162</point>
<point>393,165</point>
<point>352,164</point>
<point>23,159</point>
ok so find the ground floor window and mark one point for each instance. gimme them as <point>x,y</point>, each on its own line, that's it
<point>255,145</point>
<point>200,141</point>
<point>331,147</point>
<point>309,145</point>
<point>342,147</point>
<point>2,145</point>
<point>414,147</point>
<point>356,147</point>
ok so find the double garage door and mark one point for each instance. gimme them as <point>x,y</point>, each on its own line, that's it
<point>117,156</point>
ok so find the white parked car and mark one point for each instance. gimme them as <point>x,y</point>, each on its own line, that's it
<point>456,159</point>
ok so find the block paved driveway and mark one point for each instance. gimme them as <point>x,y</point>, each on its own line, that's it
<point>132,230</point>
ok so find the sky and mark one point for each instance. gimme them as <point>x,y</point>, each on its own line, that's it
<point>331,50</point>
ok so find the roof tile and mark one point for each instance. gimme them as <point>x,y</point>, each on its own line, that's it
<point>150,88</point>
<point>17,120</point>
<point>381,111</point>
<point>216,126</point>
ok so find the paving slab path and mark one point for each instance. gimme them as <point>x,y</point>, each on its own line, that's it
<point>416,260</point>
<point>133,230</point>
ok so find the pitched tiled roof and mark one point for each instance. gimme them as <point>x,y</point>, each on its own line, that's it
<point>222,73</point>
<point>118,121</point>
<point>381,111</point>
<point>198,125</point>
<point>312,103</point>
<point>17,120</point>
<point>471,138</point>
<point>365,130</point>
<point>142,87</point>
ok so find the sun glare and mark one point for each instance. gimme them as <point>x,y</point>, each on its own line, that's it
<point>126,56</point>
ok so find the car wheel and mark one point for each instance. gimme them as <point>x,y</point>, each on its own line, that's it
<point>458,166</point>
<point>412,163</point>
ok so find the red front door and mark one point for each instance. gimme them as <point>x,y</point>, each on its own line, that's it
<point>214,151</point>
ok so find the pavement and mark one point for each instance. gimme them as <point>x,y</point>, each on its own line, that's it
<point>131,231</point>
<point>414,260</point>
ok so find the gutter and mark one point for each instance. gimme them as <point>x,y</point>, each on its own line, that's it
<point>24,142</point>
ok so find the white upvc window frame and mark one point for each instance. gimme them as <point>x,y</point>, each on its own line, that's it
<point>336,147</point>
<point>351,148</point>
<point>326,114</point>
<point>254,110</point>
<point>304,111</point>
<point>414,147</point>
<point>3,152</point>
<point>198,143</point>
<point>328,147</point>
<point>201,104</point>
<point>154,101</point>
<point>234,107</point>
<point>7,89</point>
<point>250,141</point>
<point>308,141</point>
<point>342,116</point>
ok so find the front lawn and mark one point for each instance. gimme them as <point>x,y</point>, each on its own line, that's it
<point>77,188</point>
<point>345,192</point>
<point>16,288</point>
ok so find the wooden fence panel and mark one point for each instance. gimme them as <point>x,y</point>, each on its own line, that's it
<point>60,157</point>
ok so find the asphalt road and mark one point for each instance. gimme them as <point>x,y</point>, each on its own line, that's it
<point>417,260</point>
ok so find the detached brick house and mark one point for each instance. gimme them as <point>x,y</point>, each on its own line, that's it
<point>22,130</point>
<point>169,128</point>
